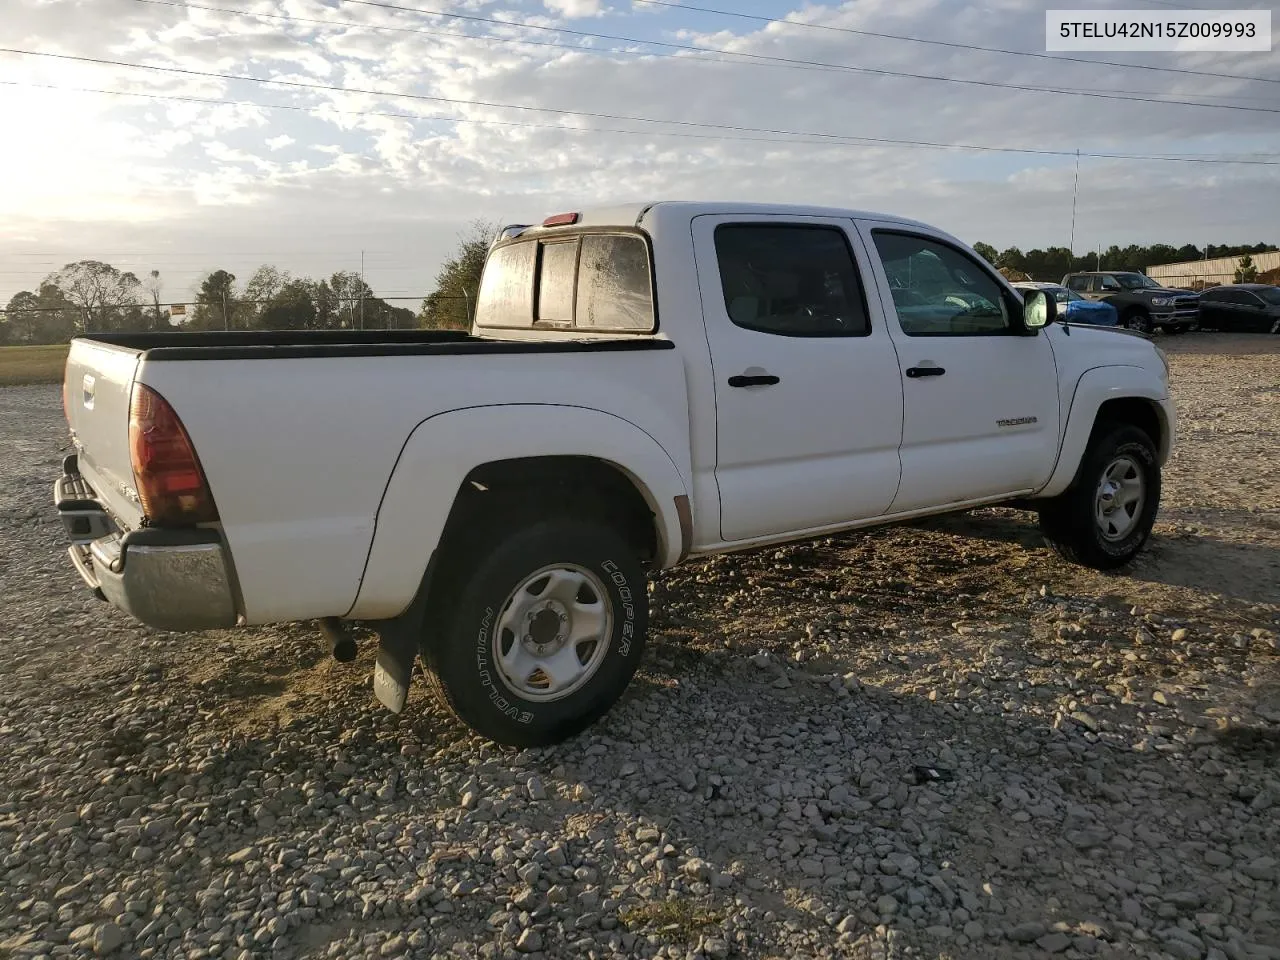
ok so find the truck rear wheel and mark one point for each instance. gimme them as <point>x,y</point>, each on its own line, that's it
<point>1105,517</point>
<point>545,628</point>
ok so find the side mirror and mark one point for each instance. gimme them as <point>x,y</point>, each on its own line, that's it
<point>1038,310</point>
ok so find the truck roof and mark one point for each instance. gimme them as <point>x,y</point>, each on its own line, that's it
<point>631,214</point>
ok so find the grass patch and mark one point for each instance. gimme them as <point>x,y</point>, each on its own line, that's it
<point>678,919</point>
<point>41,364</point>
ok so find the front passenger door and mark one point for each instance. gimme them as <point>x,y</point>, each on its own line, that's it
<point>980,393</point>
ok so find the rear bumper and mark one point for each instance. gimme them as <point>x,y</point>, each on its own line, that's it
<point>171,579</point>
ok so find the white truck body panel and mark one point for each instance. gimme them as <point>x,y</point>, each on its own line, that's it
<point>300,453</point>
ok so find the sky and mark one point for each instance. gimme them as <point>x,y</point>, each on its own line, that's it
<point>394,127</point>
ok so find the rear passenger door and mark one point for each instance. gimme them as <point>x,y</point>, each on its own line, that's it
<point>808,396</point>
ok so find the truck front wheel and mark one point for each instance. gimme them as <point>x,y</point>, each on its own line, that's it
<point>1136,319</point>
<point>1105,517</point>
<point>545,628</point>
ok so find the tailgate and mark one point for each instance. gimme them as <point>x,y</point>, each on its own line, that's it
<point>99,380</point>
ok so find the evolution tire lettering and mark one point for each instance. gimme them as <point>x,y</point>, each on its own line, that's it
<point>496,696</point>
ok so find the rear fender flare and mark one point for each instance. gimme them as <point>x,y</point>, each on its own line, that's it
<point>443,449</point>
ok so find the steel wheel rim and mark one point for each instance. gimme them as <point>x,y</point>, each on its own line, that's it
<point>1118,500</point>
<point>553,632</point>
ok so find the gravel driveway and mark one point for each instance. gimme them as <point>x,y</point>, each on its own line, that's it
<point>935,740</point>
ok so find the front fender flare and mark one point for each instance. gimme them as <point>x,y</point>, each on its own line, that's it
<point>1094,388</point>
<point>443,449</point>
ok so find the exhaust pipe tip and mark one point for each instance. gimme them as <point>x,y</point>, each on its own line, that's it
<point>341,644</point>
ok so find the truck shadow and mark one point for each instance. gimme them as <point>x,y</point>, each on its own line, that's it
<point>1239,570</point>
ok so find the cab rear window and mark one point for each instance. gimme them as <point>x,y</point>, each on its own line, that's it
<point>595,281</point>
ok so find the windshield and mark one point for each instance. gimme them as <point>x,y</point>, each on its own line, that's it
<point>1270,295</point>
<point>1136,281</point>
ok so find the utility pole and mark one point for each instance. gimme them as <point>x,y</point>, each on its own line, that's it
<point>361,289</point>
<point>1075,194</point>
<point>225,325</point>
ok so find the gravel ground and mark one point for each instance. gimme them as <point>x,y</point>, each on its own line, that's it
<point>934,740</point>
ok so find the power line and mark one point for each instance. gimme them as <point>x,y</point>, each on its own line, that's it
<point>771,135</point>
<point>759,18</point>
<point>789,61</point>
<point>755,60</point>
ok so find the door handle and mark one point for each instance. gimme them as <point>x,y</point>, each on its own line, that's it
<point>757,380</point>
<point>914,372</point>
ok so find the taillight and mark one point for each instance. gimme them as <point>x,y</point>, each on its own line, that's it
<point>166,470</point>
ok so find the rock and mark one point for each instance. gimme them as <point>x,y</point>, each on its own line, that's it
<point>1053,942</point>
<point>1027,932</point>
<point>108,938</point>
<point>1218,858</point>
<point>242,855</point>
<point>697,869</point>
<point>535,788</point>
<point>530,941</point>
<point>887,904</point>
<point>1263,868</point>
<point>716,948</point>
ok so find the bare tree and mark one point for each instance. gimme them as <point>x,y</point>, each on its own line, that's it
<point>153,286</point>
<point>96,289</point>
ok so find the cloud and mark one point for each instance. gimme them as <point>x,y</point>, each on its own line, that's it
<point>189,181</point>
<point>576,8</point>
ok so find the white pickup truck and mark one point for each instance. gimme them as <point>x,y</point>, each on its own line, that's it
<point>642,384</point>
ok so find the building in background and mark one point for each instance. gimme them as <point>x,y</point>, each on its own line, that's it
<point>1197,274</point>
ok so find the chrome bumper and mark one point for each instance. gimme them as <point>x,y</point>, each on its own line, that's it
<point>171,579</point>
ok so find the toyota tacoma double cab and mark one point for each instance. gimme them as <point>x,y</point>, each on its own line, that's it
<point>641,385</point>
<point>1143,304</point>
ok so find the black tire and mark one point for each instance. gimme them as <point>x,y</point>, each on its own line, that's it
<point>460,658</point>
<point>1068,521</point>
<point>1136,319</point>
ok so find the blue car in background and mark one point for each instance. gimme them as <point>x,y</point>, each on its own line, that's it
<point>1073,307</point>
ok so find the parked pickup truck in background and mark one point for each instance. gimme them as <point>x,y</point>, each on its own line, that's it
<point>1143,304</point>
<point>642,385</point>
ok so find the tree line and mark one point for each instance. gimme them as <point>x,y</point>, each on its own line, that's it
<point>90,296</point>
<point>1053,264</point>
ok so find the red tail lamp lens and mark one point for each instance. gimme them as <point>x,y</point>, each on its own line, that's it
<point>166,470</point>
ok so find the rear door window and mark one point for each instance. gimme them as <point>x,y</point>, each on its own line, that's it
<point>791,280</point>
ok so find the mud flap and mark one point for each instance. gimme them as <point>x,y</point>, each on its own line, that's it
<point>397,648</point>
<point>399,640</point>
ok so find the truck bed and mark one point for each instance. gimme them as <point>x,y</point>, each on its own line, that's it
<point>299,432</point>
<point>294,344</point>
